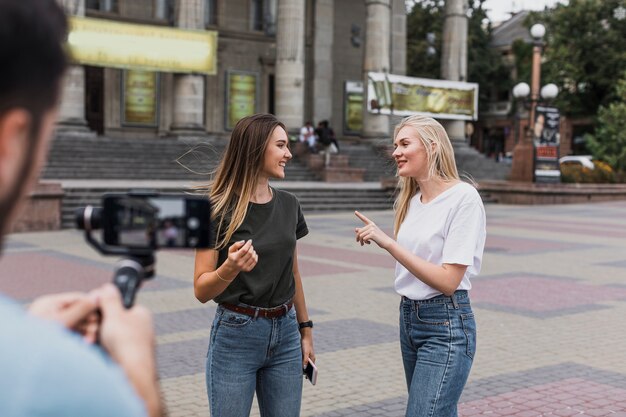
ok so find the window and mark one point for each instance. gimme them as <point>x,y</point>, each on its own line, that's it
<point>102,5</point>
<point>164,10</point>
<point>210,13</point>
<point>264,16</point>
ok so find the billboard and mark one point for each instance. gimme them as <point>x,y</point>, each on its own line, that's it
<point>140,90</point>
<point>546,139</point>
<point>241,96</point>
<point>353,107</point>
<point>106,43</point>
<point>405,96</point>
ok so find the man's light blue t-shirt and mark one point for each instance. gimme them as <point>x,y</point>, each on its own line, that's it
<point>46,370</point>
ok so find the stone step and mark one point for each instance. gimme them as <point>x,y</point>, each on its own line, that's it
<point>311,200</point>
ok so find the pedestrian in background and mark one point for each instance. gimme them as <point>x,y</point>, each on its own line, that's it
<point>307,136</point>
<point>49,365</point>
<point>440,236</point>
<point>261,338</point>
<point>328,142</point>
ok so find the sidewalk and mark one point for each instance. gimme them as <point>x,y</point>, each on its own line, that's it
<point>550,305</point>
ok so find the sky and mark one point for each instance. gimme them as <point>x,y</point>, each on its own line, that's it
<point>499,10</point>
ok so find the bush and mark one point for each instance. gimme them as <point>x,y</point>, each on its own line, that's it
<point>602,174</point>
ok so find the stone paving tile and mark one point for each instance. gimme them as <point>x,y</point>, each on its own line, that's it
<point>616,264</point>
<point>524,246</point>
<point>541,296</point>
<point>549,305</point>
<point>354,256</point>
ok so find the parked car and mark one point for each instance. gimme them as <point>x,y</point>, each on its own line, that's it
<point>579,160</point>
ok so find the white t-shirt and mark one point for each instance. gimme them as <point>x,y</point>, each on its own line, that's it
<point>450,229</point>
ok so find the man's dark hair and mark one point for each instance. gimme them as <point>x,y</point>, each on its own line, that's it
<point>32,58</point>
<point>32,63</point>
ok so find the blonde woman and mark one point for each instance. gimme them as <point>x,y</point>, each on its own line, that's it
<point>440,236</point>
<point>261,336</point>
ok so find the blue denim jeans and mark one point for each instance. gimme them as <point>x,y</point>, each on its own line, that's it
<point>438,342</point>
<point>247,354</point>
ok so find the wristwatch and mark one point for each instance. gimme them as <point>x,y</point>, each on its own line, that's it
<point>305,324</point>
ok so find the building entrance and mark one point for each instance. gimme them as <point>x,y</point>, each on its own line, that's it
<point>94,98</point>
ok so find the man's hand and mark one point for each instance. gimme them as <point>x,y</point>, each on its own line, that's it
<point>75,311</point>
<point>128,336</point>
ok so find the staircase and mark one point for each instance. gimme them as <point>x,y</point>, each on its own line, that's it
<point>97,158</point>
<point>90,166</point>
<point>340,197</point>
<point>478,166</point>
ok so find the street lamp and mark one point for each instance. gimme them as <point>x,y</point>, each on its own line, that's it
<point>522,168</point>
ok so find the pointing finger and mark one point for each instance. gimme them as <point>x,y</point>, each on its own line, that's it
<point>363,218</point>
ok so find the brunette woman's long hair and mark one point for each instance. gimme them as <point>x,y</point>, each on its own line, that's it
<point>440,157</point>
<point>236,177</point>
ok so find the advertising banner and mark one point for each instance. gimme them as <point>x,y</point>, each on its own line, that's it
<point>546,126</point>
<point>353,107</point>
<point>140,98</point>
<point>241,90</point>
<point>405,96</point>
<point>546,138</point>
<point>105,43</point>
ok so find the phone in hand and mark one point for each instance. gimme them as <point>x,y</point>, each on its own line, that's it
<point>310,372</point>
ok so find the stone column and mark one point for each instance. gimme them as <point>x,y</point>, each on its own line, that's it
<point>188,106</point>
<point>398,37</point>
<point>376,59</point>
<point>454,55</point>
<point>323,57</point>
<point>290,63</point>
<point>72,111</point>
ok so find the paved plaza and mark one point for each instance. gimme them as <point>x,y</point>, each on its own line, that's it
<point>550,305</point>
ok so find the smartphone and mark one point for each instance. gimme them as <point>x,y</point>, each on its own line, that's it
<point>310,372</point>
<point>156,221</point>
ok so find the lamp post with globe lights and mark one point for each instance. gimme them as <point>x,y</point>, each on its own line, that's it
<point>523,167</point>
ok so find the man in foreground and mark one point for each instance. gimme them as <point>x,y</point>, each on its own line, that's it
<point>49,365</point>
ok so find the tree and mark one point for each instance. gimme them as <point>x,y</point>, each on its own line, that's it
<point>608,143</point>
<point>485,66</point>
<point>584,54</point>
<point>424,18</point>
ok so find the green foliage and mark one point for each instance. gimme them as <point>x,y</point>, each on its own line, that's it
<point>584,54</point>
<point>608,142</point>
<point>485,66</point>
<point>424,17</point>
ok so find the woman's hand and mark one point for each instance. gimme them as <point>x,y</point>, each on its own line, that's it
<point>241,256</point>
<point>306,341</point>
<point>369,232</point>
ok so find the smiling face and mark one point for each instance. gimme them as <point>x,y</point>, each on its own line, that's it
<point>276,154</point>
<point>410,154</point>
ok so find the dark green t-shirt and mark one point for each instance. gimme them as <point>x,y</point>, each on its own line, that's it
<point>274,228</point>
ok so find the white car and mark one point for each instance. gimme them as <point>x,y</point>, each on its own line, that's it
<point>580,160</point>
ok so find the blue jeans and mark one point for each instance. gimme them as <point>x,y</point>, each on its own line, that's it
<point>247,354</point>
<point>438,342</point>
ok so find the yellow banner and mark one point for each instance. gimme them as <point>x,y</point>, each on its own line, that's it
<point>241,96</point>
<point>140,97</point>
<point>405,96</point>
<point>106,43</point>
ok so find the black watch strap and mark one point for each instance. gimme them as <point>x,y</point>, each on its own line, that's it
<point>305,324</point>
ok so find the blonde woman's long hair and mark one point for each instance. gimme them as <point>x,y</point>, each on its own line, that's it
<point>440,157</point>
<point>236,177</point>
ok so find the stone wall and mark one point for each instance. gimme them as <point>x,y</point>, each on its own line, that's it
<point>41,210</point>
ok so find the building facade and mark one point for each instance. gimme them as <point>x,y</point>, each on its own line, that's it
<point>303,60</point>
